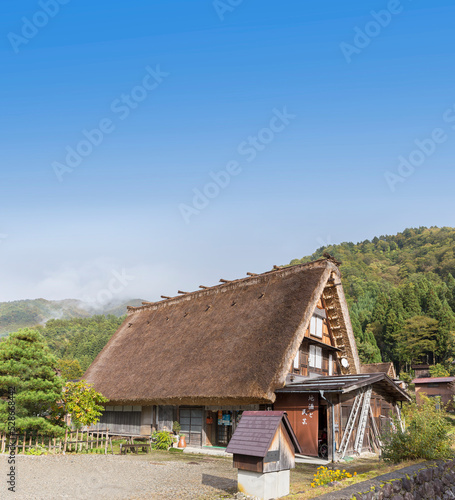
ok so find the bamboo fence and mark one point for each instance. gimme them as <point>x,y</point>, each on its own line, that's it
<point>74,442</point>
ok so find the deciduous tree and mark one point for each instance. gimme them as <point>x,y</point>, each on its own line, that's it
<point>83,403</point>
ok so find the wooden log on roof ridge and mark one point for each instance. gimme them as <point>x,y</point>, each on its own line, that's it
<point>251,274</point>
<point>165,297</point>
<point>224,281</point>
<point>203,286</point>
<point>180,291</point>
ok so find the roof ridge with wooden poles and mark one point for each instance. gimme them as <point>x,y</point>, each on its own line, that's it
<point>224,283</point>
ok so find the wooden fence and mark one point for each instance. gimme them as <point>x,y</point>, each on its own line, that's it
<point>74,441</point>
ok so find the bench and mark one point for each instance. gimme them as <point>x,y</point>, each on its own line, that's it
<point>124,447</point>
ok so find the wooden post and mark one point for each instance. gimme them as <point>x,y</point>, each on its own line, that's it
<point>3,442</point>
<point>66,438</point>
<point>107,441</point>
<point>77,439</point>
<point>97,436</point>
<point>87,439</point>
<point>329,433</point>
<point>17,445</point>
<point>36,441</point>
<point>24,437</point>
<point>55,444</point>
<point>30,442</point>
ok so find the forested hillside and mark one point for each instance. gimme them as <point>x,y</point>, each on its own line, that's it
<point>81,339</point>
<point>29,313</point>
<point>401,294</point>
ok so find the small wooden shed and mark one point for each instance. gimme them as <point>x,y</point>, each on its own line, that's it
<point>264,442</point>
<point>264,447</point>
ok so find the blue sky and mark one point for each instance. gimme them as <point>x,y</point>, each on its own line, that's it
<point>357,84</point>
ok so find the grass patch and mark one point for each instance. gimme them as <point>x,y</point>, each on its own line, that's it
<point>366,468</point>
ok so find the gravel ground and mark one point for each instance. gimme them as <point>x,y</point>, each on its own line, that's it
<point>119,477</point>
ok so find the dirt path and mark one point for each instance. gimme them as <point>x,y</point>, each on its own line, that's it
<point>119,477</point>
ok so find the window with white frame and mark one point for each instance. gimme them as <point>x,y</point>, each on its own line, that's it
<point>330,365</point>
<point>315,357</point>
<point>316,324</point>
<point>296,361</point>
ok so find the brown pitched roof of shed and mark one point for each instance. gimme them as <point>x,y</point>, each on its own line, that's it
<point>256,430</point>
<point>387,368</point>
<point>232,343</point>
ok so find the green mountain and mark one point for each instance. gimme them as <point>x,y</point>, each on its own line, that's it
<point>401,294</point>
<point>80,339</point>
<point>29,313</point>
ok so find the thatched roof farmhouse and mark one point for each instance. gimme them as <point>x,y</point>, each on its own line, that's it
<point>204,357</point>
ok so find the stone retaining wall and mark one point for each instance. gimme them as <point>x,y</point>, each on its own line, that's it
<point>434,482</point>
<point>424,481</point>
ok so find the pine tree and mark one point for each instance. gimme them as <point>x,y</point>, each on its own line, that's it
<point>374,336</point>
<point>432,303</point>
<point>410,301</point>
<point>451,288</point>
<point>393,328</point>
<point>380,309</point>
<point>446,331</point>
<point>27,365</point>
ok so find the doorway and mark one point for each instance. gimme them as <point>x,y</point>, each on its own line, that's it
<point>191,425</point>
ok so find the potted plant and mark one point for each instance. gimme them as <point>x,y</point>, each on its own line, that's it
<point>182,441</point>
<point>176,430</point>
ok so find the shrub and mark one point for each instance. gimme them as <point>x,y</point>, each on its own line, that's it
<point>438,370</point>
<point>427,434</point>
<point>36,450</point>
<point>162,440</point>
<point>407,377</point>
<point>324,475</point>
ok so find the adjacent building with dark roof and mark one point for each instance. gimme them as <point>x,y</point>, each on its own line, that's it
<point>442,388</point>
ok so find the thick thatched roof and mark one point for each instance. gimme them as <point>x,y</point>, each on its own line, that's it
<point>232,343</point>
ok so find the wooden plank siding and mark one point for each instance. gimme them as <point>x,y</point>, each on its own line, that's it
<point>382,412</point>
<point>304,418</point>
<point>121,422</point>
<point>304,368</point>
